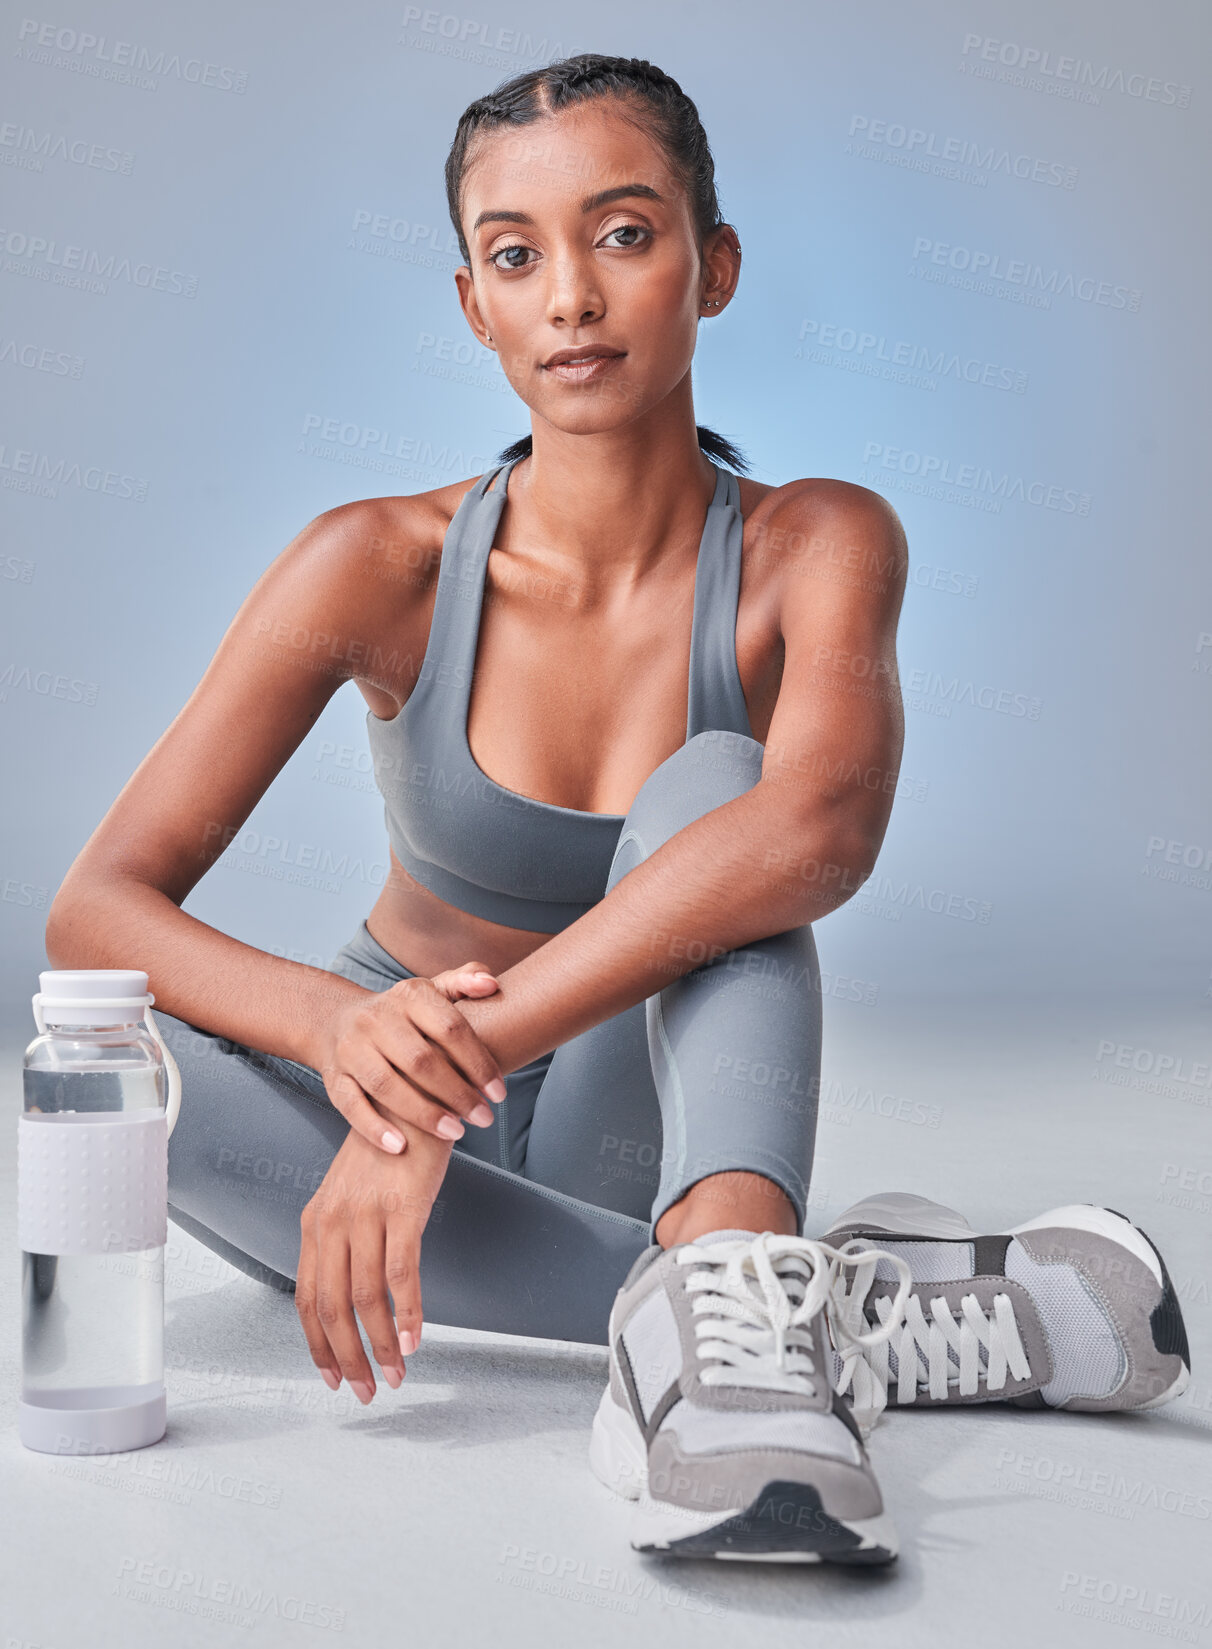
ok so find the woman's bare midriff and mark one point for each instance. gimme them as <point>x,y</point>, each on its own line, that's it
<point>424,933</point>
<point>427,935</point>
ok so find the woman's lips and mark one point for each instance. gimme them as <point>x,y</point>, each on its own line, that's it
<point>583,372</point>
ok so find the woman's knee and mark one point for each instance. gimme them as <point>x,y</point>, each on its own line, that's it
<point>712,768</point>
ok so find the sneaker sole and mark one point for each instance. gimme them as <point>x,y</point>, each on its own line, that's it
<point>786,1523</point>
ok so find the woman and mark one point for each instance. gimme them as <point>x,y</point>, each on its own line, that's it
<point>637,725</point>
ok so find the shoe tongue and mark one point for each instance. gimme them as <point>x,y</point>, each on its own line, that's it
<point>724,1236</point>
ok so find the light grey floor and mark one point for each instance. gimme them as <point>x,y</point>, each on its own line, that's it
<point>460,1509</point>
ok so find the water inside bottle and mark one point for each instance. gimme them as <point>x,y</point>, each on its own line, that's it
<point>92,1320</point>
<point>92,1085</point>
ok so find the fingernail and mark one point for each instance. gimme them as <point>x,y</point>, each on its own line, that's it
<point>393,1141</point>
<point>362,1390</point>
<point>393,1376</point>
<point>408,1342</point>
<point>482,1115</point>
<point>450,1128</point>
<point>480,975</point>
<point>331,1380</point>
<point>495,1089</point>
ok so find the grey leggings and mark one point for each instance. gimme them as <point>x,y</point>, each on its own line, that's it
<point>542,1213</point>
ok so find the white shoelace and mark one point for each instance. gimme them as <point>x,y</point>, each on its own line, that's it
<point>917,1340</point>
<point>761,1335</point>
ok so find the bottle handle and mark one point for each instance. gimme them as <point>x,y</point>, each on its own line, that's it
<point>173,1102</point>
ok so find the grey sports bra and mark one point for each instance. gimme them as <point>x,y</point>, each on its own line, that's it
<point>494,852</point>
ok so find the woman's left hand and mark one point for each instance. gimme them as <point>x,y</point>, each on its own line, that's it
<point>472,979</point>
<point>360,1237</point>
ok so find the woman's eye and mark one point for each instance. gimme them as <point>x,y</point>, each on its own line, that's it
<point>630,229</point>
<point>502,250</point>
<point>633,229</point>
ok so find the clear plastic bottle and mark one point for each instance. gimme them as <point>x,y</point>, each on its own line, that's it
<point>92,1215</point>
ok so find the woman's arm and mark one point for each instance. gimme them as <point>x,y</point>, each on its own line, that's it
<point>298,635</point>
<point>792,848</point>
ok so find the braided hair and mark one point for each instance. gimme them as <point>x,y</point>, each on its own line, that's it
<point>670,118</point>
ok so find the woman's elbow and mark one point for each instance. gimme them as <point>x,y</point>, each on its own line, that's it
<point>64,924</point>
<point>72,920</point>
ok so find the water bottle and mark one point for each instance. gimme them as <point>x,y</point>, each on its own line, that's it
<point>101,1094</point>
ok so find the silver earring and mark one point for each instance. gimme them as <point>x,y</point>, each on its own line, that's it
<point>488,337</point>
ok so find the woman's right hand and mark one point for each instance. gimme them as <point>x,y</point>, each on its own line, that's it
<point>407,1053</point>
<point>360,1257</point>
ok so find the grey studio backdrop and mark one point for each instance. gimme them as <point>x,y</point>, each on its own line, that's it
<point>976,287</point>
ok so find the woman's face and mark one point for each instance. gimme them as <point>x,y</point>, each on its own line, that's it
<point>553,267</point>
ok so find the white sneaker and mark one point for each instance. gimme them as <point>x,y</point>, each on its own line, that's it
<point>1073,1309</point>
<point>719,1420</point>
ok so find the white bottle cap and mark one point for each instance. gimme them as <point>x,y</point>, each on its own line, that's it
<point>91,996</point>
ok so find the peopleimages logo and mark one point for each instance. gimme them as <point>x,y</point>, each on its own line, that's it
<point>1149,1062</point>
<point>37,145</point>
<point>984,266</point>
<point>20,677</point>
<point>470,33</point>
<point>922,686</point>
<point>98,55</point>
<point>874,352</point>
<point>1123,1603</point>
<point>24,470</point>
<point>147,1580</point>
<point>371,447</point>
<point>277,851</point>
<point>1077,71</point>
<point>60,363</point>
<point>84,266</point>
<point>939,476</point>
<point>1069,1478</point>
<point>982,158</point>
<point>1187,863</point>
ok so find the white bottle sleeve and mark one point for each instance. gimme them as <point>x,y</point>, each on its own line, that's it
<point>92,1182</point>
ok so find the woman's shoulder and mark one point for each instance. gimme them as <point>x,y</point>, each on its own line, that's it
<point>808,494</point>
<point>814,531</point>
<point>816,508</point>
<point>363,564</point>
<point>399,530</point>
<point>355,585</point>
